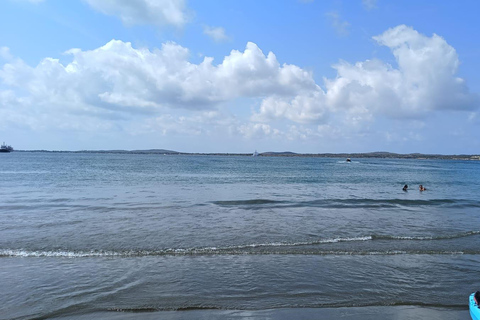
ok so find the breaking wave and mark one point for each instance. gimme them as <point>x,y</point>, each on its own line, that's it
<point>281,248</point>
<point>205,252</point>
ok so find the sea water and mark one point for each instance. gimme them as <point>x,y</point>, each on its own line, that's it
<point>93,233</point>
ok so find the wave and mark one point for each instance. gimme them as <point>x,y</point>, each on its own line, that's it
<point>347,203</point>
<point>279,248</point>
<point>246,202</point>
<point>157,309</point>
<point>220,311</point>
<point>150,309</point>
<point>443,237</point>
<point>197,252</point>
<point>25,172</point>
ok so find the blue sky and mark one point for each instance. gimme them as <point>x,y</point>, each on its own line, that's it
<point>238,76</point>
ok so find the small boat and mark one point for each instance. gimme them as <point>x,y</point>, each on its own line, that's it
<point>348,160</point>
<point>255,154</point>
<point>473,306</point>
<point>5,148</point>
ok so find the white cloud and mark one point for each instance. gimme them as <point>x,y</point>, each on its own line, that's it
<point>424,80</point>
<point>303,108</point>
<point>296,133</point>
<point>200,123</point>
<point>257,130</point>
<point>119,81</point>
<point>140,12</point>
<point>164,92</point>
<point>216,33</point>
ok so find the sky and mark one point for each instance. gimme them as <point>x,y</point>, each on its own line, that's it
<point>307,76</point>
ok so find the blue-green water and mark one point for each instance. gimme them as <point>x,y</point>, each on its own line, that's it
<point>86,233</point>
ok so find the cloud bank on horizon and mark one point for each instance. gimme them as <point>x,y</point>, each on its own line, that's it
<point>161,92</point>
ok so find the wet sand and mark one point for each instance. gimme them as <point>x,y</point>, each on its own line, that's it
<point>360,313</point>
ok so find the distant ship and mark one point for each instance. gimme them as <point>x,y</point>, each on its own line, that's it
<point>5,148</point>
<point>255,154</point>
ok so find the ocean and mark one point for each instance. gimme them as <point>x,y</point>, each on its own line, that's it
<point>145,236</point>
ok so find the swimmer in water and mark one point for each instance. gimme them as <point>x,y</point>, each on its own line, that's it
<point>405,187</point>
<point>421,188</point>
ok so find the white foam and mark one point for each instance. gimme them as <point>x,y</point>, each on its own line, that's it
<point>59,253</point>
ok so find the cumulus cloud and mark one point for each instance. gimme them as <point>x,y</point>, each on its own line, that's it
<point>303,108</point>
<point>116,83</point>
<point>140,12</point>
<point>117,79</point>
<point>216,33</point>
<point>257,130</point>
<point>425,79</point>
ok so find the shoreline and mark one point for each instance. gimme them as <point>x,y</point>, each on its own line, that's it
<point>344,313</point>
<point>370,155</point>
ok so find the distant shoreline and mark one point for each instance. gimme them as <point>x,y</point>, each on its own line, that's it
<point>375,155</point>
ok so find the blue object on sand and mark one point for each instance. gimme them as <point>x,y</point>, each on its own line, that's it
<point>474,309</point>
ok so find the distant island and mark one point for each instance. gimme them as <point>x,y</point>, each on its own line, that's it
<point>380,155</point>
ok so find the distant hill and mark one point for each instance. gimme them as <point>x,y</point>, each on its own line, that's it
<point>377,154</point>
<point>156,151</point>
<point>284,153</point>
<point>148,151</point>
